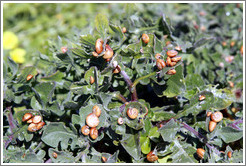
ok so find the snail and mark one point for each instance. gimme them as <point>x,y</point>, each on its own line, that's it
<point>172,53</point>
<point>64,50</point>
<point>40,125</point>
<point>108,52</point>
<point>217,116</point>
<point>169,62</point>
<point>178,48</point>
<point>104,159</point>
<point>176,59</point>
<point>200,152</point>
<point>120,121</point>
<point>212,125</point>
<point>160,63</point>
<point>117,69</point>
<point>92,80</point>
<point>36,119</point>
<point>29,77</point>
<point>132,113</point>
<point>26,117</point>
<point>94,54</point>
<point>171,72</point>
<point>145,38</point>
<point>32,127</point>
<point>85,130</point>
<point>229,154</point>
<point>54,154</point>
<point>201,97</point>
<point>124,30</point>
<point>99,46</point>
<point>151,157</point>
<point>92,120</point>
<point>93,133</point>
<point>96,110</point>
<point>157,56</point>
<point>208,114</point>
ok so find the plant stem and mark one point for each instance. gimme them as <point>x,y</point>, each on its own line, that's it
<point>141,78</point>
<point>48,161</point>
<point>129,83</point>
<point>10,118</point>
<point>197,134</point>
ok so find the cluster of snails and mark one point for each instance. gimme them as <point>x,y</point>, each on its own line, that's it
<point>151,157</point>
<point>215,118</point>
<point>36,122</point>
<point>92,121</point>
<point>107,54</point>
<point>171,61</point>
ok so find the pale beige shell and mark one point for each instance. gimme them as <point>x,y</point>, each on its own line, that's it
<point>92,120</point>
<point>36,119</point>
<point>132,113</point>
<point>96,110</point>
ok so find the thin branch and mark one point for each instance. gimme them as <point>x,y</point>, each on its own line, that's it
<point>10,118</point>
<point>129,83</point>
<point>197,134</point>
<point>141,78</point>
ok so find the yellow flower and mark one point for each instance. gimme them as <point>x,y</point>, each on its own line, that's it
<point>18,55</point>
<point>10,40</point>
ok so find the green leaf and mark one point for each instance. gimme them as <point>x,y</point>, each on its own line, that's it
<point>154,133</point>
<point>175,83</point>
<point>145,145</point>
<point>25,72</point>
<point>229,134</point>
<point>62,156</point>
<point>169,130</point>
<point>56,133</point>
<point>88,40</point>
<point>193,81</point>
<point>160,114</point>
<point>102,24</point>
<point>57,77</point>
<point>131,144</point>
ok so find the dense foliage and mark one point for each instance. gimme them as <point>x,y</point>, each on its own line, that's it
<point>172,121</point>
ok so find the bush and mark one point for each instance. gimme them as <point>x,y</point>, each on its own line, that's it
<point>151,108</point>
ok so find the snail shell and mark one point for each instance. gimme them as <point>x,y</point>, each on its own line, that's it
<point>160,63</point>
<point>104,159</point>
<point>151,157</point>
<point>132,113</point>
<point>29,77</point>
<point>96,110</point>
<point>172,53</point>
<point>99,46</point>
<point>36,119</point>
<point>212,125</point>
<point>26,117</point>
<point>92,80</point>
<point>40,125</point>
<point>85,130</point>
<point>92,120</point>
<point>108,52</point>
<point>157,56</point>
<point>145,38</point>
<point>93,133</point>
<point>217,116</point>
<point>171,72</point>
<point>200,152</point>
<point>54,154</point>
<point>120,121</point>
<point>32,127</point>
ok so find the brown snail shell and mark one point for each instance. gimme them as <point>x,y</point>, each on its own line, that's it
<point>92,80</point>
<point>85,130</point>
<point>96,110</point>
<point>124,29</point>
<point>160,63</point>
<point>145,38</point>
<point>157,56</point>
<point>209,114</point>
<point>178,48</point>
<point>108,52</point>
<point>94,54</point>
<point>176,59</point>
<point>171,72</point>
<point>29,121</point>
<point>36,119</point>
<point>32,127</point>
<point>26,117</point>
<point>54,154</point>
<point>217,116</point>
<point>229,154</point>
<point>29,77</point>
<point>99,46</point>
<point>200,152</point>
<point>151,157</point>
<point>172,53</point>
<point>104,159</point>
<point>202,97</point>
<point>132,113</point>
<point>93,133</point>
<point>92,120</point>
<point>212,125</point>
<point>40,125</point>
<point>117,69</point>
